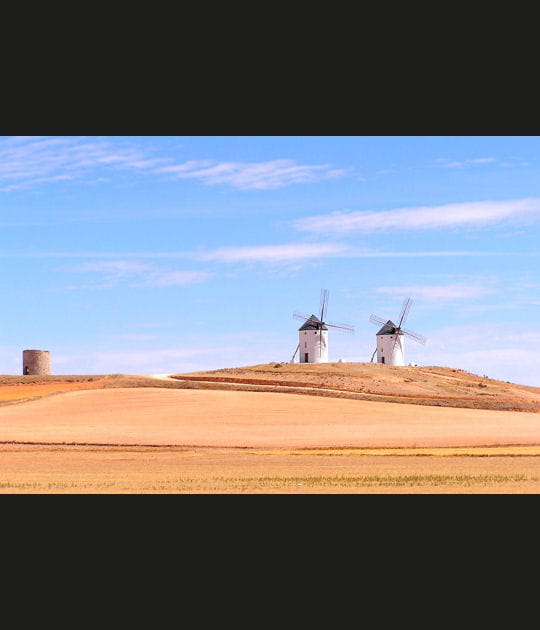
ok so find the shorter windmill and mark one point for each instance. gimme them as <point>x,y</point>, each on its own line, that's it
<point>313,334</point>
<point>390,338</point>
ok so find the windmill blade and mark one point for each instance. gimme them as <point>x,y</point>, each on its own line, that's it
<point>404,311</point>
<point>375,319</point>
<point>301,316</point>
<point>324,303</point>
<point>414,336</point>
<point>344,327</point>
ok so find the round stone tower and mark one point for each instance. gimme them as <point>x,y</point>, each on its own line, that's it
<point>36,362</point>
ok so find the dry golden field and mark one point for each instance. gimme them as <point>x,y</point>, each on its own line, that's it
<point>256,431</point>
<point>140,470</point>
<point>144,416</point>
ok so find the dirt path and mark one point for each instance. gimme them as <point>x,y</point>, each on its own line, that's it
<point>161,377</point>
<point>158,416</point>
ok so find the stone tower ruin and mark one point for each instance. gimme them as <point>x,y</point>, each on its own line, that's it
<point>36,362</point>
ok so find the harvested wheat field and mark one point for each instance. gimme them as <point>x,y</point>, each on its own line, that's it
<point>168,470</point>
<point>75,469</point>
<point>136,434</point>
<point>163,417</point>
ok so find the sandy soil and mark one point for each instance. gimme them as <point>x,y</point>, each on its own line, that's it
<point>155,416</point>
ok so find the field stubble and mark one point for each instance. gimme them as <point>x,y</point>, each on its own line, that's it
<point>142,470</point>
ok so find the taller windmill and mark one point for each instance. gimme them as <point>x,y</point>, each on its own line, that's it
<point>390,338</point>
<point>313,334</point>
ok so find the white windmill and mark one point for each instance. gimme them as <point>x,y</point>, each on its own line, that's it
<point>313,334</point>
<point>390,338</point>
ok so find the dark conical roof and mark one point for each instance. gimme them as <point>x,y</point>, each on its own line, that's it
<point>313,323</point>
<point>388,329</point>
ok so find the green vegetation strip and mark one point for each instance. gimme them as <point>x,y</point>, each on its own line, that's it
<point>370,480</point>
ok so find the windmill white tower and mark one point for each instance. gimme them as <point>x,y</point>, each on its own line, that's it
<point>390,338</point>
<point>313,334</point>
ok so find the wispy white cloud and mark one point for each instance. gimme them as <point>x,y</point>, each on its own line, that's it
<point>252,175</point>
<point>174,278</point>
<point>274,253</point>
<point>26,161</point>
<point>116,267</point>
<point>437,254</point>
<point>484,160</point>
<point>447,163</point>
<point>285,253</point>
<point>137,274</point>
<point>479,161</point>
<point>135,337</point>
<point>27,183</point>
<point>453,215</point>
<point>438,293</point>
<point>266,253</point>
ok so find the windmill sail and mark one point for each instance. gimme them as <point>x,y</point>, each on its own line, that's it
<point>324,303</point>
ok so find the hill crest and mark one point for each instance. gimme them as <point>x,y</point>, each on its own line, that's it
<point>441,386</point>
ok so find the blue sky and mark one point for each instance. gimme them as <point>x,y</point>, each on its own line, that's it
<point>143,254</point>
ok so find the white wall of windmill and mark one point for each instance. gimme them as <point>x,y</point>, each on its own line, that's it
<point>313,346</point>
<point>392,351</point>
